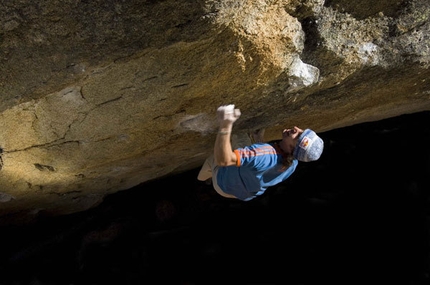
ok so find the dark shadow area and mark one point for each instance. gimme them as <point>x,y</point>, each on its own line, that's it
<point>359,215</point>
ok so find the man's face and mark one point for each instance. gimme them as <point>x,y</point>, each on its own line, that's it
<point>290,138</point>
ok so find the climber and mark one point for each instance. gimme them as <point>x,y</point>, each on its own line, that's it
<point>245,171</point>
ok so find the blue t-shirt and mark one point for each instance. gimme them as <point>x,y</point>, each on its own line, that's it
<point>259,166</point>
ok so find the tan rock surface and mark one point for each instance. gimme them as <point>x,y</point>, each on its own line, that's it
<point>100,96</point>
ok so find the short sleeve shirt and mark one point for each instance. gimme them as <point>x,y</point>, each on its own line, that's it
<point>259,166</point>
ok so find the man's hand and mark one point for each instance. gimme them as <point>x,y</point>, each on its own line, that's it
<point>227,114</point>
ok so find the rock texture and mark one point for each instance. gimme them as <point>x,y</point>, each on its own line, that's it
<point>100,96</point>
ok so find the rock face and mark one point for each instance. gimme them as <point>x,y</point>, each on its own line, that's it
<point>100,96</point>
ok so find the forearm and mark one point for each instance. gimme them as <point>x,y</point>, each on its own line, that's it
<point>223,153</point>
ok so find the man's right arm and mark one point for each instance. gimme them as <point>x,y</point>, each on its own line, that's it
<point>223,153</point>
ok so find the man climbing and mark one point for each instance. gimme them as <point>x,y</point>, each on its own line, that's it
<point>246,172</point>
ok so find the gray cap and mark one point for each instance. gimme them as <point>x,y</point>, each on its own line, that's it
<point>309,146</point>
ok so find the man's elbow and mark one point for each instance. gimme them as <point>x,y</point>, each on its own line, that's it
<point>223,163</point>
<point>220,161</point>
<point>225,159</point>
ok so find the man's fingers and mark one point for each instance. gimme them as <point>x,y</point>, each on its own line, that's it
<point>237,113</point>
<point>228,112</point>
<point>226,108</point>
